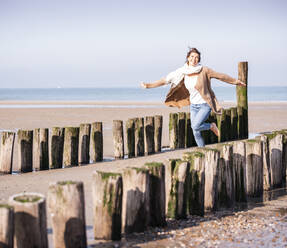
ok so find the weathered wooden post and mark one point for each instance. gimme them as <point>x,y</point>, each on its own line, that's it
<point>157,133</point>
<point>189,138</point>
<point>66,206</point>
<point>228,134</point>
<point>176,188</point>
<point>241,123</point>
<point>57,147</point>
<point>254,168</point>
<point>157,194</point>
<point>196,183</point>
<point>71,146</point>
<point>242,99</point>
<point>107,205</point>
<point>6,226</point>
<point>173,130</point>
<point>30,224</point>
<point>221,124</point>
<point>135,204</point>
<point>139,137</point>
<point>118,137</point>
<point>84,143</point>
<point>284,155</point>
<point>25,150</point>
<point>96,142</point>
<point>181,129</point>
<point>239,164</point>
<point>272,160</point>
<point>130,131</point>
<point>149,135</point>
<point>266,162</point>
<point>226,189</point>
<point>211,170</point>
<point>41,149</point>
<point>6,152</point>
<point>234,124</point>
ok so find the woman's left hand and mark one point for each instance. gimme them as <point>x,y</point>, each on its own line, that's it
<point>240,83</point>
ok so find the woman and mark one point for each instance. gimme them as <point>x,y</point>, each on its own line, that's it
<point>192,87</point>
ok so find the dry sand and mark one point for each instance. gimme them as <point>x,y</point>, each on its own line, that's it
<point>262,117</point>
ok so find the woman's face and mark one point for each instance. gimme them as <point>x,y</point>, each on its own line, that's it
<point>193,59</point>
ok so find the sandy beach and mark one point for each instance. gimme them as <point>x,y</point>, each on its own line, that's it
<point>29,115</point>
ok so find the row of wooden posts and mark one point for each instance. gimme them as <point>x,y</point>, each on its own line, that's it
<point>231,125</point>
<point>203,179</point>
<point>64,147</point>
<point>73,146</point>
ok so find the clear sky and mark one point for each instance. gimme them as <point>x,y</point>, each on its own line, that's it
<point>119,43</point>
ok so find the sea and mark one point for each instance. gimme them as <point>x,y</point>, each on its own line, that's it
<point>223,94</point>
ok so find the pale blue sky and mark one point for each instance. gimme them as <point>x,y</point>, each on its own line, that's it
<point>119,43</point>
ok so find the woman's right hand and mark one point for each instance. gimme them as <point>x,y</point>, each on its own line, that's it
<point>144,85</point>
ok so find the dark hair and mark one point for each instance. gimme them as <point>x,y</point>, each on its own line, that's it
<point>192,50</point>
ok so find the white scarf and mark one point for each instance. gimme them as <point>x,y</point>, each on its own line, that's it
<point>176,76</point>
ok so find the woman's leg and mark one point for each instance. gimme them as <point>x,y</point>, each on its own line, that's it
<point>198,114</point>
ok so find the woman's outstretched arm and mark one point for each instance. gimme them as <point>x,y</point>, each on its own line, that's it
<point>154,84</point>
<point>225,78</point>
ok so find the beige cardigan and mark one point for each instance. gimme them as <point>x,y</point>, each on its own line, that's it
<point>178,96</point>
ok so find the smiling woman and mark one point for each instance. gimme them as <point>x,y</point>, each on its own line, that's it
<point>192,87</point>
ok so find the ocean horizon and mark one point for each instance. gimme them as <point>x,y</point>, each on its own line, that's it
<point>225,94</point>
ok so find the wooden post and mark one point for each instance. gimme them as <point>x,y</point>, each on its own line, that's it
<point>254,168</point>
<point>25,150</point>
<point>176,188</point>
<point>213,137</point>
<point>181,129</point>
<point>211,170</point>
<point>239,164</point>
<point>284,155</point>
<point>118,137</point>
<point>107,205</point>
<point>234,124</point>
<point>96,142</point>
<point>228,134</point>
<point>149,135</point>
<point>57,147</point>
<point>136,192</point>
<point>241,123</point>
<point>29,220</point>
<point>41,149</point>
<point>139,137</point>
<point>84,143</point>
<point>226,189</point>
<point>196,183</point>
<point>157,132</point>
<point>242,99</point>
<point>173,130</point>
<point>189,138</point>
<point>266,163</point>
<point>221,124</point>
<point>6,226</point>
<point>6,152</point>
<point>157,194</point>
<point>71,146</point>
<point>130,131</point>
<point>66,205</point>
<point>272,160</point>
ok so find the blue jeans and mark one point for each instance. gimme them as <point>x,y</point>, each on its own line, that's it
<point>198,115</point>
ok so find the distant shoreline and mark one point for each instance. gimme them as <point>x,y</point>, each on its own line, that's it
<point>8,104</point>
